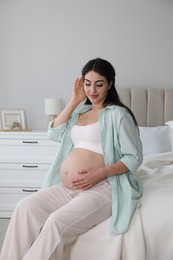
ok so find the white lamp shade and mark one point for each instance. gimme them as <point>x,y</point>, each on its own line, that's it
<point>53,106</point>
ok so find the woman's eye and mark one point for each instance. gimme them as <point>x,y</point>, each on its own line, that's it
<point>99,84</point>
<point>87,84</point>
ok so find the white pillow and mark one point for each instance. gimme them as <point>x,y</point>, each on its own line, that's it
<point>156,139</point>
<point>170,124</point>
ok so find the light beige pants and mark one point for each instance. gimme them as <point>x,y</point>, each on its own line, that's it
<point>43,224</point>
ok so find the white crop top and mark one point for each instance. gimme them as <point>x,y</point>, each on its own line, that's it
<point>87,137</point>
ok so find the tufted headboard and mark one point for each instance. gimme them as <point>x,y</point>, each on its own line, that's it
<point>151,107</point>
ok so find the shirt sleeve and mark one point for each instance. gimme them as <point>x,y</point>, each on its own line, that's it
<point>130,143</point>
<point>56,134</point>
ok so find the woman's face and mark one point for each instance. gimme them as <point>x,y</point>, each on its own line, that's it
<point>96,87</point>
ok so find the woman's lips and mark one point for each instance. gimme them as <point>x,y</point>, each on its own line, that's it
<point>93,96</point>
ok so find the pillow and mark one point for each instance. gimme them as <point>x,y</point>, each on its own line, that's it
<point>170,124</point>
<point>156,139</point>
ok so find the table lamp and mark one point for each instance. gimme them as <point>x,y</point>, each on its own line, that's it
<point>53,107</point>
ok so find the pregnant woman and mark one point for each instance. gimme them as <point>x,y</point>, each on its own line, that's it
<point>91,178</point>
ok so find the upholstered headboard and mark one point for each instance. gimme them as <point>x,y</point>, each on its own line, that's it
<point>151,107</point>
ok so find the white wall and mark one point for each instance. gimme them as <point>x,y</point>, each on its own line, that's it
<point>45,43</point>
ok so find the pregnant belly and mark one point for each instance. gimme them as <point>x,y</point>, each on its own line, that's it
<point>76,160</point>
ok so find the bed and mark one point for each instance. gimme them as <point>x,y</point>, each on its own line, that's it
<point>150,235</point>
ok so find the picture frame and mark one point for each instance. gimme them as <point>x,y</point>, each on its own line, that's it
<point>12,119</point>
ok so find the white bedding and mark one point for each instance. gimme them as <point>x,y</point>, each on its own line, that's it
<point>150,236</point>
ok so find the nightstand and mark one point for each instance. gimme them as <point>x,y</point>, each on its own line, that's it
<point>25,158</point>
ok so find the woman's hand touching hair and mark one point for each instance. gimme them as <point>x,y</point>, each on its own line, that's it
<point>78,93</point>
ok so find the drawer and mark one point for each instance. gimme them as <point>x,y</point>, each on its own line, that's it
<point>19,149</point>
<point>9,197</point>
<point>19,175</point>
<point>27,142</point>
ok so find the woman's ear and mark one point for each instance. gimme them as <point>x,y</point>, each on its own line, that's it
<point>110,85</point>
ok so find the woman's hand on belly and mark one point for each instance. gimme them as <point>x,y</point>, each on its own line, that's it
<point>86,178</point>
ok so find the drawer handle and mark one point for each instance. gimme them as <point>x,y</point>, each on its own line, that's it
<point>30,142</point>
<point>30,166</point>
<point>29,190</point>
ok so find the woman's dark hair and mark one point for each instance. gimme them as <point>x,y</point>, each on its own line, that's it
<point>105,69</point>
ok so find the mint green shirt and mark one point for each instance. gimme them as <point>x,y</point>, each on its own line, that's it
<point>120,142</point>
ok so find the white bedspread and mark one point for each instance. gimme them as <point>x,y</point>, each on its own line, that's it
<point>150,236</point>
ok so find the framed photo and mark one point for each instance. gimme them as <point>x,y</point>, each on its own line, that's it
<point>13,119</point>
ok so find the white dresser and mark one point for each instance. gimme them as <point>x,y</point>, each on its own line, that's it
<point>25,158</point>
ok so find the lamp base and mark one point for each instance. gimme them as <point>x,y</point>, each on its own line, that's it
<point>52,117</point>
